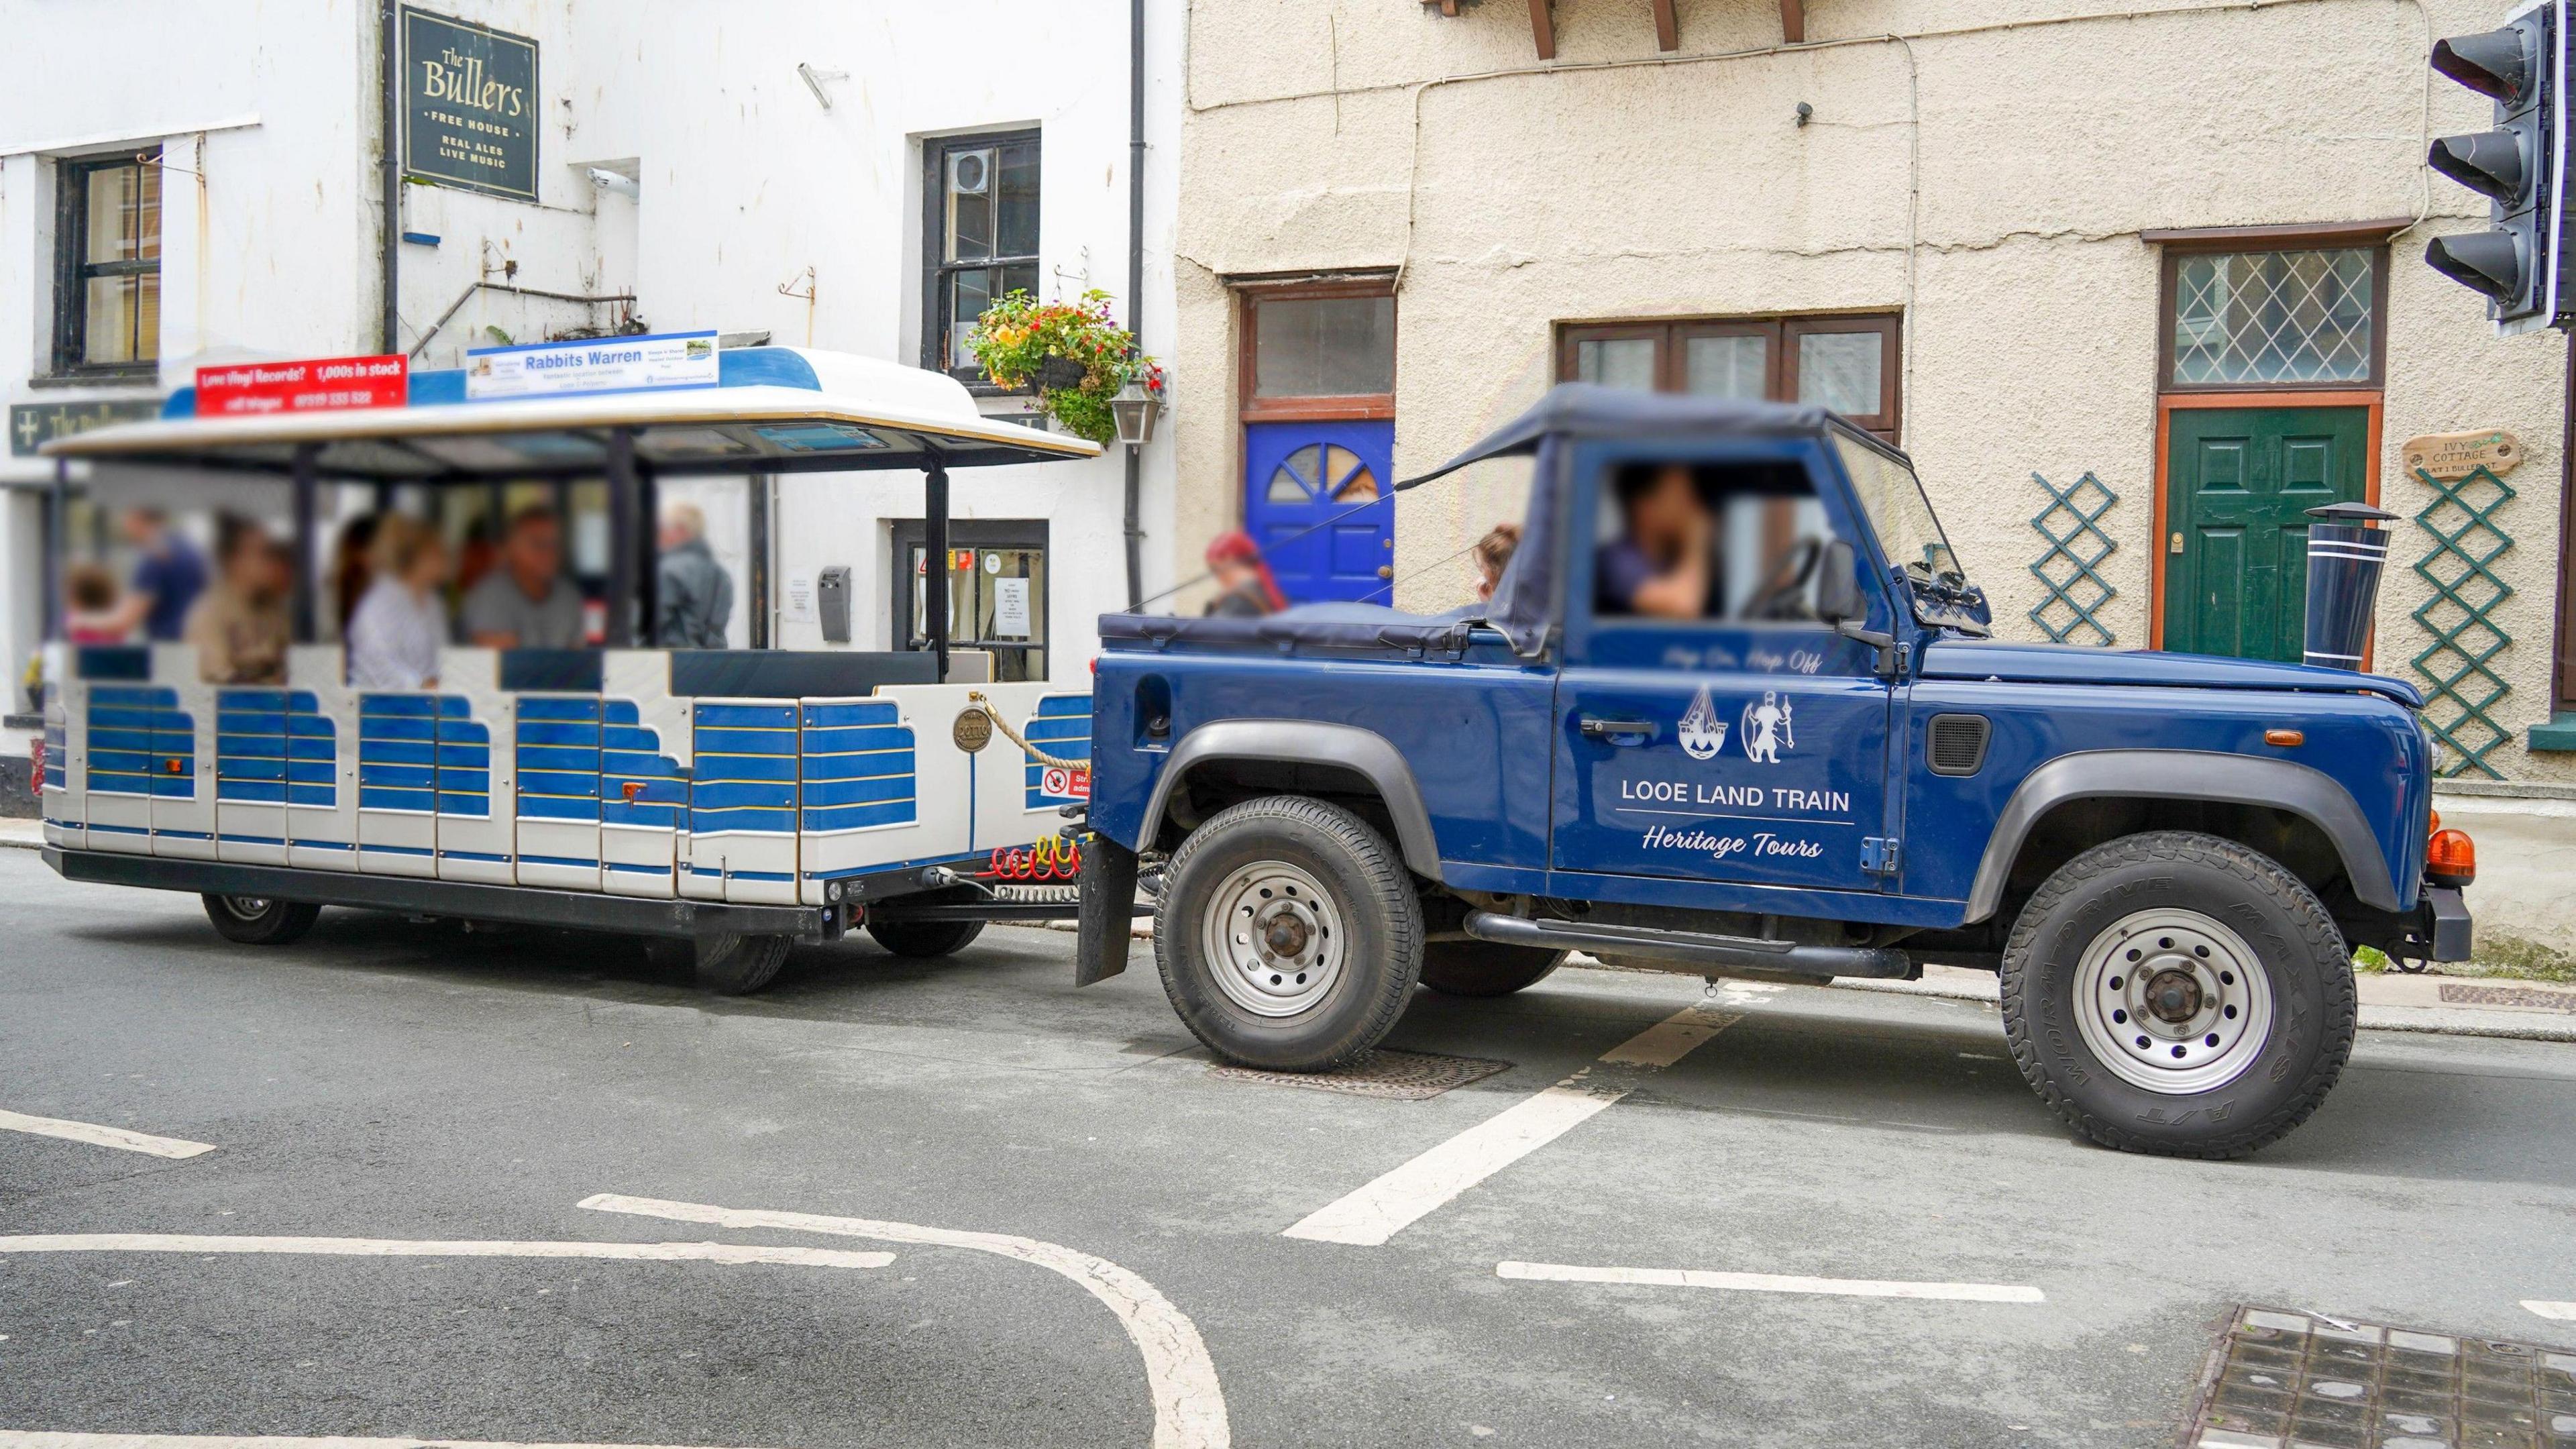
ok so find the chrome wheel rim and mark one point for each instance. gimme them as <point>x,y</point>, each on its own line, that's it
<point>246,908</point>
<point>1273,939</point>
<point>2173,1002</point>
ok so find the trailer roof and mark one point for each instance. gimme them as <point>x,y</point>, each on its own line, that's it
<point>772,410</point>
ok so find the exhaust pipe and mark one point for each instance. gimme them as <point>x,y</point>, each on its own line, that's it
<point>2347,549</point>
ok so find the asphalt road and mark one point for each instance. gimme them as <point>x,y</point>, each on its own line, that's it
<point>392,1082</point>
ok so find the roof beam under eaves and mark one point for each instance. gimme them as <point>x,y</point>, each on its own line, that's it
<point>1543,27</point>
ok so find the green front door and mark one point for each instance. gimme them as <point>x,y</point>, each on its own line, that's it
<point>2238,484</point>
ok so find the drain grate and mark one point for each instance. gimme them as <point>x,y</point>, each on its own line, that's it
<point>2281,1379</point>
<point>1409,1076</point>
<point>2465,995</point>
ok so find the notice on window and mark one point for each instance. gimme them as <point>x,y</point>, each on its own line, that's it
<point>800,598</point>
<point>602,364</point>
<point>1010,608</point>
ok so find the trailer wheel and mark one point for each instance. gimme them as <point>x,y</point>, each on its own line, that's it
<point>738,965</point>
<point>1481,968</point>
<point>924,939</point>
<point>260,920</point>
<point>1288,934</point>
<point>2178,994</point>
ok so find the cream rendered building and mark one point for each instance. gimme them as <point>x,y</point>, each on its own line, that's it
<point>2018,236</point>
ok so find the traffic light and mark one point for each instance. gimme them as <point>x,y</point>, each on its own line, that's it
<point>2519,263</point>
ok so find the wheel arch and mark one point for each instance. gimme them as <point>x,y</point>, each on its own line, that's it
<point>1343,753</point>
<point>2240,785</point>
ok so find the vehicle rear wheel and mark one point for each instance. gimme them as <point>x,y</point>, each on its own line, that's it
<point>738,965</point>
<point>924,939</point>
<point>2178,994</point>
<point>1288,934</point>
<point>1481,968</point>
<point>260,920</point>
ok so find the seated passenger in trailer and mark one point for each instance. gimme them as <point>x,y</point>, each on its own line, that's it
<point>241,627</point>
<point>693,593</point>
<point>169,573</point>
<point>526,602</point>
<point>395,635</point>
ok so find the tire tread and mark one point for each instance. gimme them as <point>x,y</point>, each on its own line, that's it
<point>1377,863</point>
<point>2258,872</point>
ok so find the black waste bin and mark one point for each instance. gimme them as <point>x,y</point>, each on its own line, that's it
<point>2346,551</point>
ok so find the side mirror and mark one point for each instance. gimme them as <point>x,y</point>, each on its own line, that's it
<point>1838,599</point>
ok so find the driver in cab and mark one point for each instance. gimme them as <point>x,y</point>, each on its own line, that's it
<point>1662,565</point>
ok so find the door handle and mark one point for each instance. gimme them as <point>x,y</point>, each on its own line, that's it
<point>1616,730</point>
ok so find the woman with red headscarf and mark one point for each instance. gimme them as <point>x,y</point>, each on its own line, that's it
<point>1245,589</point>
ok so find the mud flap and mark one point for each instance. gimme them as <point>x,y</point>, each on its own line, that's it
<point>1108,910</point>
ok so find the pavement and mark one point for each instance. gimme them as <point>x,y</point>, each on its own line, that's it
<point>404,1182</point>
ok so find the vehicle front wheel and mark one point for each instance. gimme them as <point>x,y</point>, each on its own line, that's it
<point>260,920</point>
<point>1288,934</point>
<point>924,939</point>
<point>2178,994</point>
<point>1481,968</point>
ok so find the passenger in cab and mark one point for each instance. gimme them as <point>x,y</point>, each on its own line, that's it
<point>526,602</point>
<point>693,595</point>
<point>241,627</point>
<point>1660,565</point>
<point>395,635</point>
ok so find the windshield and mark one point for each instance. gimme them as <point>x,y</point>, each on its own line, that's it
<point>1897,508</point>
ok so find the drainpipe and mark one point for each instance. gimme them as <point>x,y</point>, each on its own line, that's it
<point>389,68</point>
<point>1135,277</point>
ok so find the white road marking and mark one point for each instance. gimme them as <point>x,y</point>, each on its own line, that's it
<point>98,1136</point>
<point>43,1439</point>
<point>431,1248</point>
<point>1378,1211</point>
<point>1770,1283</point>
<point>2563,1312</point>
<point>48,1440</point>
<point>1189,1406</point>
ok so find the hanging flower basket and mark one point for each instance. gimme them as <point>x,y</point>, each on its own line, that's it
<point>1074,355</point>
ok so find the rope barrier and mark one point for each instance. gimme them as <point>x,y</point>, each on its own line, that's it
<point>975,700</point>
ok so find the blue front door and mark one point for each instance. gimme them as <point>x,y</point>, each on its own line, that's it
<point>1296,476</point>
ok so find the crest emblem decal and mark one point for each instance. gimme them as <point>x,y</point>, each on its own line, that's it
<point>1703,734</point>
<point>1768,729</point>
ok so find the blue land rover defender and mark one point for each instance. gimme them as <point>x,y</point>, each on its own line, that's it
<point>1734,710</point>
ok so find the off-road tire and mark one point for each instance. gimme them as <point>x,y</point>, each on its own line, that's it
<point>737,965</point>
<point>268,922</point>
<point>1369,890</point>
<point>924,939</point>
<point>2312,1008</point>
<point>1481,968</point>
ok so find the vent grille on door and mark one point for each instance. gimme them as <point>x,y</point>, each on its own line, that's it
<point>1958,743</point>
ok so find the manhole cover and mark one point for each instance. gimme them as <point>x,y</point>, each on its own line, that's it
<point>2282,1380</point>
<point>1408,1075</point>
<point>2465,995</point>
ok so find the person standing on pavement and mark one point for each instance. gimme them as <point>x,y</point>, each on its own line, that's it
<point>168,575</point>
<point>240,627</point>
<point>694,593</point>
<point>395,635</point>
<point>526,602</point>
<point>1245,587</point>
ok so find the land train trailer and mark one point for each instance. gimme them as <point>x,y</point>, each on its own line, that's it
<point>728,802</point>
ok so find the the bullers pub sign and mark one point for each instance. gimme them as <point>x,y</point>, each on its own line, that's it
<point>469,105</point>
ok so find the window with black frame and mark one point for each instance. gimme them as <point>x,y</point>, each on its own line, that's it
<point>107,290</point>
<point>979,237</point>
